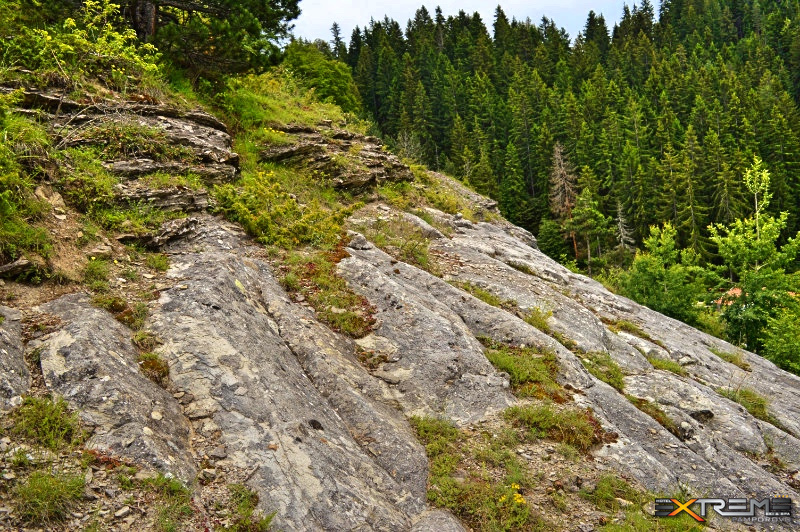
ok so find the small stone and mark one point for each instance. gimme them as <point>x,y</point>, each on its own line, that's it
<point>88,477</point>
<point>110,493</point>
<point>61,217</point>
<point>147,431</point>
<point>623,503</point>
<point>209,474</point>
<point>694,466</point>
<point>218,452</point>
<point>653,432</point>
<point>155,414</point>
<point>148,276</point>
<point>125,511</point>
<point>9,476</point>
<point>101,251</point>
<point>88,494</point>
<point>3,447</point>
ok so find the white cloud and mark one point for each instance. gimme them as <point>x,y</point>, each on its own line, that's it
<point>318,15</point>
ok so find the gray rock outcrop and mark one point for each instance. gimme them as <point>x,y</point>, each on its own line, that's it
<point>92,363</point>
<point>15,379</point>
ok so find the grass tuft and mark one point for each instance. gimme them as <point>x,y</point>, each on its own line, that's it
<point>602,366</point>
<point>737,359</point>
<point>246,519</point>
<point>668,365</point>
<point>752,401</point>
<point>492,496</point>
<point>532,372</point>
<point>46,498</point>
<point>573,426</point>
<point>48,423</point>
<point>154,368</point>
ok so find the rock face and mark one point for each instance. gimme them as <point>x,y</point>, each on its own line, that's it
<point>349,160</point>
<point>320,462</point>
<point>92,363</point>
<point>15,379</point>
<point>281,402</point>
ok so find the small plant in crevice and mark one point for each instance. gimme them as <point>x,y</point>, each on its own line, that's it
<point>631,328</point>
<point>756,404</point>
<point>174,505</point>
<point>735,358</point>
<point>602,366</point>
<point>532,371</point>
<point>668,365</point>
<point>245,516</point>
<point>538,318</point>
<point>485,296</point>
<point>313,276</point>
<point>157,261</point>
<point>95,275</point>
<point>654,411</point>
<point>154,368</point>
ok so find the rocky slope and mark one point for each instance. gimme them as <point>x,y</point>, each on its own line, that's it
<point>262,392</point>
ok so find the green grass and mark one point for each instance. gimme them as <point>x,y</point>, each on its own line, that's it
<point>532,372</point>
<point>23,139</point>
<point>602,366</point>
<point>163,180</point>
<point>538,318</point>
<point>492,496</point>
<point>285,207</point>
<point>631,328</point>
<point>314,276</point>
<point>154,368</point>
<point>655,412</point>
<point>608,489</point>
<point>253,103</point>
<point>175,502</point>
<point>752,401</point>
<point>484,295</point>
<point>130,140</point>
<point>568,425</point>
<point>95,275</point>
<point>46,498</point>
<point>402,240</point>
<point>737,358</point>
<point>246,519</point>
<point>157,261</point>
<point>668,365</point>
<point>43,421</point>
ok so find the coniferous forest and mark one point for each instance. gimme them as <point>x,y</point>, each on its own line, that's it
<point>676,132</point>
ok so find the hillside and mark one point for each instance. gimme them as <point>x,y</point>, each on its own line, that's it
<point>239,310</point>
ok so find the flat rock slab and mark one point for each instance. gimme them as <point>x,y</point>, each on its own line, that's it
<point>251,393</point>
<point>15,379</point>
<point>92,363</point>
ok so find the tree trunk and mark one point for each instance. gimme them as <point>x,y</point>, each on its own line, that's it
<point>589,255</point>
<point>143,18</point>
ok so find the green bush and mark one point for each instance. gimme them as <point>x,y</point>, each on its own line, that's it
<point>330,79</point>
<point>274,216</point>
<point>93,47</point>
<point>18,208</point>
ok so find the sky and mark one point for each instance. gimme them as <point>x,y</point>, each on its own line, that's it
<point>318,15</point>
